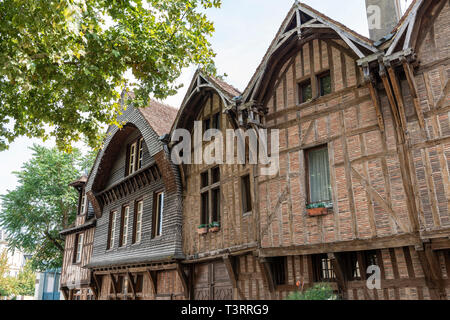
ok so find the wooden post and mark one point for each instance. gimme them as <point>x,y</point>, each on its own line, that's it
<point>339,268</point>
<point>153,280</point>
<point>432,271</point>
<point>184,280</point>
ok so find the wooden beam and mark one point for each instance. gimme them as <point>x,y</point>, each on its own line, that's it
<point>338,267</point>
<point>413,90</point>
<point>229,264</point>
<point>114,284</point>
<point>184,280</point>
<point>267,274</point>
<point>379,199</point>
<point>132,284</point>
<point>432,271</point>
<point>376,102</point>
<point>153,280</point>
<point>396,241</point>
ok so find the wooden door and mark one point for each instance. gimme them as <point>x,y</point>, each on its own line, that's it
<point>211,282</point>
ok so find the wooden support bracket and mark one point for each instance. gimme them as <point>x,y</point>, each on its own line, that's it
<point>184,280</point>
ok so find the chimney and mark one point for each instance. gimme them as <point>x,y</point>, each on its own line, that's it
<point>383,16</point>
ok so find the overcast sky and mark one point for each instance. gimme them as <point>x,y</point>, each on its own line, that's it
<point>244,30</point>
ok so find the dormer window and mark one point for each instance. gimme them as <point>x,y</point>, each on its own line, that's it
<point>135,156</point>
<point>82,204</point>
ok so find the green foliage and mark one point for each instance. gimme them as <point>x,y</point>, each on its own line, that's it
<point>214,224</point>
<point>321,291</point>
<point>202,226</point>
<point>25,281</point>
<point>5,283</point>
<point>22,285</point>
<point>320,205</point>
<point>63,62</point>
<point>42,205</point>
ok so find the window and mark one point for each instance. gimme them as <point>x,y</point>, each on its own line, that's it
<point>158,214</point>
<point>135,156</point>
<point>140,150</point>
<point>356,264</point>
<point>246,194</point>
<point>124,226</point>
<point>318,177</point>
<point>139,209</point>
<point>78,248</point>
<point>324,83</point>
<point>112,229</point>
<point>323,268</point>
<point>82,203</point>
<point>216,121</point>
<point>278,269</point>
<point>131,159</point>
<point>210,196</point>
<point>212,122</point>
<point>304,91</point>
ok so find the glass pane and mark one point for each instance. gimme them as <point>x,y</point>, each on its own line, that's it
<point>160,212</point>
<point>319,176</point>
<point>325,84</point>
<point>205,181</point>
<point>205,208</point>
<point>216,205</point>
<point>215,175</point>
<point>305,92</point>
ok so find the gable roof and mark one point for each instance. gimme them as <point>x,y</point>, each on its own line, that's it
<point>293,24</point>
<point>159,116</point>
<point>201,81</point>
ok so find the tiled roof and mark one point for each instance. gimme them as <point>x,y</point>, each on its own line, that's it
<point>159,116</point>
<point>227,88</point>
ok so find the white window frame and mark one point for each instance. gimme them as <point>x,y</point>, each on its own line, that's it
<point>126,216</point>
<point>131,160</point>
<point>113,230</point>
<point>139,213</point>
<point>80,240</point>
<point>83,203</point>
<point>140,153</point>
<point>159,214</point>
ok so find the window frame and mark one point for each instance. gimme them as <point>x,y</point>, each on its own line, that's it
<point>300,86</point>
<point>318,271</point>
<point>137,221</point>
<point>248,209</point>
<point>123,241</point>
<point>83,203</point>
<point>320,76</point>
<point>307,173</point>
<point>279,272</point>
<point>208,190</point>
<point>112,230</point>
<point>135,156</point>
<point>158,214</point>
<point>78,248</point>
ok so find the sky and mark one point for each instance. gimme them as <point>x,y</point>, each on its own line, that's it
<point>244,31</point>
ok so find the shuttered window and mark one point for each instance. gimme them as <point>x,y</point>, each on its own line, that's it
<point>318,175</point>
<point>246,195</point>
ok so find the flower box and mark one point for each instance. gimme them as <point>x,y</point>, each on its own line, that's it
<point>214,227</point>
<point>318,209</point>
<point>203,229</point>
<point>316,212</point>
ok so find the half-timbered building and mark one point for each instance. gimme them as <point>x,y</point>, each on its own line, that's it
<point>363,175</point>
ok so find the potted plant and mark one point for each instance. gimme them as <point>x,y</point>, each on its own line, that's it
<point>214,227</point>
<point>202,229</point>
<point>318,209</point>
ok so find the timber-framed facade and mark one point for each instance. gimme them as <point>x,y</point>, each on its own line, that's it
<point>364,132</point>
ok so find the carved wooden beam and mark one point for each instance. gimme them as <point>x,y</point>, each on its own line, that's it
<point>413,89</point>
<point>267,274</point>
<point>153,280</point>
<point>184,280</point>
<point>132,284</point>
